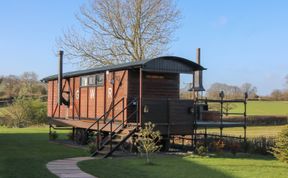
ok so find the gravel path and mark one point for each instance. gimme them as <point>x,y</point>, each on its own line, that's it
<point>67,168</point>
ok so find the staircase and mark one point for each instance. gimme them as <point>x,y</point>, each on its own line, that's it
<point>119,131</point>
<point>108,146</point>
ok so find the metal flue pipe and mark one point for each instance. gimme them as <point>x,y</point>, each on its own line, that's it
<point>60,75</point>
<point>198,74</point>
<point>198,56</point>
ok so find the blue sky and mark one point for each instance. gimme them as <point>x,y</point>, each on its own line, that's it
<point>241,41</point>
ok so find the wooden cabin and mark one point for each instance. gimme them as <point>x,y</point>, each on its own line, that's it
<point>114,101</point>
<point>153,83</point>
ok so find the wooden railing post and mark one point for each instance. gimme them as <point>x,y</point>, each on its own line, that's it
<point>98,136</point>
<point>123,113</point>
<point>111,135</point>
<point>137,113</point>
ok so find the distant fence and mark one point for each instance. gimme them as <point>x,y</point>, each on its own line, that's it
<point>6,101</point>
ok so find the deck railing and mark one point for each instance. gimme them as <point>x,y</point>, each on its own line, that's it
<point>121,125</point>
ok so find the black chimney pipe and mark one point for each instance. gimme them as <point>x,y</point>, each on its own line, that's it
<point>197,76</point>
<point>60,73</point>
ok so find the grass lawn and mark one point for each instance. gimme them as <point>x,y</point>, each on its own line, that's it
<point>264,108</point>
<point>176,166</point>
<point>24,152</point>
<point>252,131</point>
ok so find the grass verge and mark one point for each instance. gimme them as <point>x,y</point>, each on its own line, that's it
<point>24,152</point>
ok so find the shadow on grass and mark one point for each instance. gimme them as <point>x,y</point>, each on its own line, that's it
<point>188,166</point>
<point>26,154</point>
<point>164,166</point>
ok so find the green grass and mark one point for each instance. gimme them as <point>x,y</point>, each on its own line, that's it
<point>24,152</point>
<point>275,108</point>
<point>252,131</point>
<point>182,167</point>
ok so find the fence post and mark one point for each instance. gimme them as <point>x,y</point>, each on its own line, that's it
<point>221,94</point>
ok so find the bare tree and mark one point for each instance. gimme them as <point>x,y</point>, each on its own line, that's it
<point>118,31</point>
<point>231,92</point>
<point>276,94</point>
<point>250,89</point>
<point>10,85</point>
<point>29,83</point>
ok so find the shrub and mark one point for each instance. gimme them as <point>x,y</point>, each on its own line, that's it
<point>24,112</point>
<point>53,135</point>
<point>148,140</point>
<point>280,150</point>
<point>233,147</point>
<point>260,145</point>
<point>219,145</point>
<point>201,150</point>
<point>39,110</point>
<point>92,147</point>
<point>18,114</point>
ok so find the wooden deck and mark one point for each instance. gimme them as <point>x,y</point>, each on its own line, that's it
<point>84,124</point>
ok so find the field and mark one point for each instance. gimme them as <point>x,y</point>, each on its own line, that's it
<point>270,108</point>
<point>252,131</point>
<point>188,166</point>
<point>25,152</point>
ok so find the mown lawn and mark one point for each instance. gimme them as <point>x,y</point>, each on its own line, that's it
<point>272,108</point>
<point>252,131</point>
<point>183,167</point>
<point>24,152</point>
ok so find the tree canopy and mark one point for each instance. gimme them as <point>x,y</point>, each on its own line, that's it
<point>118,31</point>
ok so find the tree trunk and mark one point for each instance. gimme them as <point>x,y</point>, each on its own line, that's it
<point>147,158</point>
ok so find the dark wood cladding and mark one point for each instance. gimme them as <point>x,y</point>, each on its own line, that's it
<point>166,86</point>
<point>171,116</point>
<point>160,93</point>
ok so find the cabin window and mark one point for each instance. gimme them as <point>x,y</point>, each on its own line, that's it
<point>92,80</point>
<point>84,81</point>
<point>99,79</point>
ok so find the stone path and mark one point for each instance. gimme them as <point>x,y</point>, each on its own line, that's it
<point>67,168</point>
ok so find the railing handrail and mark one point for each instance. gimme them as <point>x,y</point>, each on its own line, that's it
<point>123,121</point>
<point>110,122</point>
<point>106,113</point>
